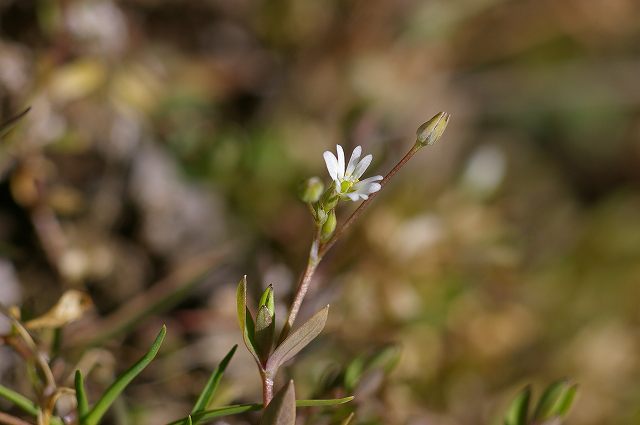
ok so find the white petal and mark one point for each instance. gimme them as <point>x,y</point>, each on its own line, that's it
<point>362,166</point>
<point>332,164</point>
<point>353,196</point>
<point>368,186</point>
<point>355,156</point>
<point>370,180</point>
<point>374,187</point>
<point>340,162</point>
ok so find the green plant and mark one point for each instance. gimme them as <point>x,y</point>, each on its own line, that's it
<point>269,349</point>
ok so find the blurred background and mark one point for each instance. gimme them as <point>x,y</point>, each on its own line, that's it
<point>166,141</point>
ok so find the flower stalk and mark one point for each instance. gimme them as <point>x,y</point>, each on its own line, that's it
<point>426,135</point>
<point>346,185</point>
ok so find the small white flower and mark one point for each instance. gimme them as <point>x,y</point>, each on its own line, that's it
<point>347,180</point>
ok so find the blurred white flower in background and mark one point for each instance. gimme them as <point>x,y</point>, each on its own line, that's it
<point>101,24</point>
<point>347,181</point>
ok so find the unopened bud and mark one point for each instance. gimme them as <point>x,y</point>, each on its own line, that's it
<point>320,215</point>
<point>329,226</point>
<point>312,190</point>
<point>429,132</point>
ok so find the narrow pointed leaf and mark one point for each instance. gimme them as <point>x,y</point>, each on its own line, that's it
<point>267,299</point>
<point>353,373</point>
<point>241,300</point>
<point>326,402</point>
<point>207,415</point>
<point>297,340</point>
<point>245,320</point>
<point>212,384</point>
<point>519,409</point>
<point>348,419</point>
<point>81,396</point>
<point>544,408</point>
<point>386,359</point>
<point>263,320</point>
<point>20,401</point>
<point>265,328</point>
<point>189,420</point>
<point>101,407</point>
<point>565,401</point>
<point>282,409</point>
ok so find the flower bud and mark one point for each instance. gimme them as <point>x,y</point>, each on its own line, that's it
<point>429,132</point>
<point>320,215</point>
<point>329,226</point>
<point>329,198</point>
<point>312,190</point>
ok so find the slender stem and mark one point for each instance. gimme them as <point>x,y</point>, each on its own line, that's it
<point>267,389</point>
<point>303,286</point>
<point>7,419</point>
<point>35,353</point>
<point>318,250</point>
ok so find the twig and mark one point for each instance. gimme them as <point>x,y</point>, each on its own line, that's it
<point>31,344</point>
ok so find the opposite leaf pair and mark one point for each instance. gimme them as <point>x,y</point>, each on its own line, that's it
<point>259,336</point>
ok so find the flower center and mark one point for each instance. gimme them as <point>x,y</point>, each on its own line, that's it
<point>345,186</point>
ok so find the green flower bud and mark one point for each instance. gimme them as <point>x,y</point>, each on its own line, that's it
<point>320,215</point>
<point>329,226</point>
<point>429,132</point>
<point>312,190</point>
<point>329,198</point>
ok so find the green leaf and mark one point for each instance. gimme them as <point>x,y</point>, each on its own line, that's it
<point>189,420</point>
<point>19,400</point>
<point>212,384</point>
<point>267,299</point>
<point>265,329</point>
<point>241,300</point>
<point>546,405</point>
<point>109,396</point>
<point>565,401</point>
<point>387,358</point>
<point>282,409</point>
<point>353,373</point>
<point>208,415</point>
<point>235,409</point>
<point>245,320</point>
<point>348,419</point>
<point>81,396</point>
<point>518,411</point>
<point>327,402</point>
<point>263,319</point>
<point>297,340</point>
